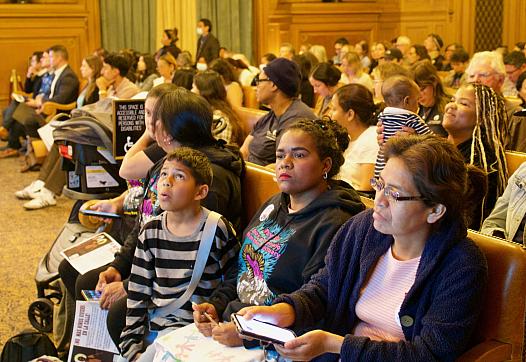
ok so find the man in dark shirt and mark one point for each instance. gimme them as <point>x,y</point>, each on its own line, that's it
<point>207,44</point>
<point>277,87</point>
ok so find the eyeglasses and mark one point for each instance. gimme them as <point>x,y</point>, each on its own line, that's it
<point>259,80</point>
<point>390,192</point>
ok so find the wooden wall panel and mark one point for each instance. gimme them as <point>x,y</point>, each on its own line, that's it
<point>25,28</point>
<point>299,21</point>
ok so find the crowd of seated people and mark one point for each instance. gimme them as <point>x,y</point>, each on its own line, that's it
<point>396,281</point>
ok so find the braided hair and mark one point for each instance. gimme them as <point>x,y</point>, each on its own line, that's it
<point>330,138</point>
<point>490,130</point>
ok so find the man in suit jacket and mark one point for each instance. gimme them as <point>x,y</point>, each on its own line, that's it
<point>207,44</point>
<point>28,117</point>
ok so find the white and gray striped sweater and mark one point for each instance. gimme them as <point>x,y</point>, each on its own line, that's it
<point>161,272</point>
<point>393,119</point>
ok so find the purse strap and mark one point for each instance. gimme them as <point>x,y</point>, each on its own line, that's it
<point>207,238</point>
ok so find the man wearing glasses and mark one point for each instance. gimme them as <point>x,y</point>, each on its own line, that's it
<point>515,64</point>
<point>277,87</point>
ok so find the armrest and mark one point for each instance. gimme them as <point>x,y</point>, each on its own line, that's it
<point>52,107</point>
<point>24,94</point>
<point>488,351</point>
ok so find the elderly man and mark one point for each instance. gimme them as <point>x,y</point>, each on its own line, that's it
<point>278,86</point>
<point>488,68</point>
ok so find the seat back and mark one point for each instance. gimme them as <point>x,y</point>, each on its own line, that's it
<point>503,310</point>
<point>249,117</point>
<point>514,159</point>
<point>249,97</point>
<point>504,307</point>
<point>257,186</point>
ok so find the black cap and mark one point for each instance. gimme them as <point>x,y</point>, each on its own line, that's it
<point>285,74</point>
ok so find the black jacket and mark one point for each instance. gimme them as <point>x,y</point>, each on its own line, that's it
<point>66,88</point>
<point>288,247</point>
<point>209,49</point>
<point>223,197</point>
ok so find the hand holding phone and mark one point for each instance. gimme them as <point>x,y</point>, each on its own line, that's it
<point>91,295</point>
<point>262,331</point>
<point>102,214</point>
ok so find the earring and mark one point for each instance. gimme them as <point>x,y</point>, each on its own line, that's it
<point>168,140</point>
<point>325,176</point>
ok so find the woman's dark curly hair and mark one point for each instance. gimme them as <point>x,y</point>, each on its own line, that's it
<point>330,138</point>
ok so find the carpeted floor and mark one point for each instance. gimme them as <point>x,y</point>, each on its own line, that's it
<point>25,237</point>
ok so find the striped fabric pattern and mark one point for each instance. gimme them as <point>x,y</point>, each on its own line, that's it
<point>161,272</point>
<point>393,119</point>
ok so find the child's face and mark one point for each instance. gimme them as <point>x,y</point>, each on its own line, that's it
<point>177,188</point>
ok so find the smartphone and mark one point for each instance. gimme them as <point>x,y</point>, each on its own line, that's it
<point>262,331</point>
<point>91,295</point>
<point>102,214</point>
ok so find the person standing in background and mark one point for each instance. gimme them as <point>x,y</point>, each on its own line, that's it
<point>207,44</point>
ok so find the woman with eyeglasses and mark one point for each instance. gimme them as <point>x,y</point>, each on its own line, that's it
<point>402,281</point>
<point>286,241</point>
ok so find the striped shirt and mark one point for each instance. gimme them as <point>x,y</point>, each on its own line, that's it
<point>161,272</point>
<point>393,119</point>
<point>380,300</point>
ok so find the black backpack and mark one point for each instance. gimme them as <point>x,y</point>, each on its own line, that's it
<point>26,346</point>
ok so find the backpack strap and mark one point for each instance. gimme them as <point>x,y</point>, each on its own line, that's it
<point>203,252</point>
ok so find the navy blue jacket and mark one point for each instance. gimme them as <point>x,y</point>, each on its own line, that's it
<point>438,314</point>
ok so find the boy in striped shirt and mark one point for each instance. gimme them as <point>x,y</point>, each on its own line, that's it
<point>401,99</point>
<point>166,253</point>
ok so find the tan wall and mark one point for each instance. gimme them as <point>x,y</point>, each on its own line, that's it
<point>300,21</point>
<point>25,28</point>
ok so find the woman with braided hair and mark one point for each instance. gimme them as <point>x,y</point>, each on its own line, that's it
<point>476,123</point>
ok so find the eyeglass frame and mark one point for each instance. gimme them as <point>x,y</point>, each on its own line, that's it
<point>259,80</point>
<point>391,193</point>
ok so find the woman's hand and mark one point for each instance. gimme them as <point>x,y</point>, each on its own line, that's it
<point>105,206</point>
<point>201,321</point>
<point>281,314</point>
<point>226,334</point>
<point>311,345</point>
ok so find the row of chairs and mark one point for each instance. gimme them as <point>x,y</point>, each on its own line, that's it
<point>500,332</point>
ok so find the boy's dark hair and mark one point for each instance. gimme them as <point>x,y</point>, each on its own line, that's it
<point>208,23</point>
<point>330,138</point>
<point>196,161</point>
<point>60,49</point>
<point>118,61</point>
<point>459,55</point>
<point>327,74</point>
<point>342,41</point>
<point>395,89</point>
<point>515,58</point>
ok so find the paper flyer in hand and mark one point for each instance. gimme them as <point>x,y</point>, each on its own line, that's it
<point>92,253</point>
<point>187,344</point>
<point>90,340</point>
